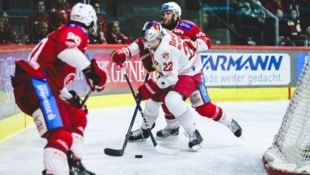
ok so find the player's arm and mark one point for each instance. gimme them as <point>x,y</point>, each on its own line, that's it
<point>119,56</point>
<point>73,56</point>
<point>168,77</point>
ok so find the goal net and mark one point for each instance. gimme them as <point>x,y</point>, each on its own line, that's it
<point>289,153</point>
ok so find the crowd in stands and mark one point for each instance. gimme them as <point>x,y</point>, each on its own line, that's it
<point>253,21</point>
<point>44,20</point>
<point>249,18</point>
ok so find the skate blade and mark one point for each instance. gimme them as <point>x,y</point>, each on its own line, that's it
<point>173,137</point>
<point>196,148</point>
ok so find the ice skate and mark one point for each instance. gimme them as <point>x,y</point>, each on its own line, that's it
<point>167,133</point>
<point>235,128</point>
<point>76,167</point>
<point>195,140</point>
<point>139,134</point>
<point>231,124</point>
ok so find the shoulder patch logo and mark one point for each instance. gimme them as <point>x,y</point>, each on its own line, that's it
<point>165,55</point>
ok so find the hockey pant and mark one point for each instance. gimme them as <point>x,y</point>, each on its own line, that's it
<point>54,118</point>
<point>200,100</point>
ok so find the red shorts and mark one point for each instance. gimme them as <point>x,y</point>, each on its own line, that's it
<point>186,85</point>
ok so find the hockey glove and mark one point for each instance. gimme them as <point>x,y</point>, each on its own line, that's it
<point>119,56</point>
<point>96,78</point>
<point>147,59</point>
<point>148,89</point>
<point>76,101</point>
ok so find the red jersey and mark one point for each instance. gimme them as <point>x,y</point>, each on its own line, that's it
<point>45,53</point>
<point>184,29</point>
<point>188,29</point>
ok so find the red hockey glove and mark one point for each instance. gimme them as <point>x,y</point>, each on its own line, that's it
<point>76,101</point>
<point>147,59</point>
<point>119,56</point>
<point>96,78</point>
<point>146,90</point>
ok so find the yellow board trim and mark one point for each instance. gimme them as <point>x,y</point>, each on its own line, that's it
<point>20,121</point>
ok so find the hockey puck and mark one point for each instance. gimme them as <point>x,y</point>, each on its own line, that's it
<point>138,156</point>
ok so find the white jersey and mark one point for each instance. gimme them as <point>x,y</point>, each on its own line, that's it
<point>175,57</point>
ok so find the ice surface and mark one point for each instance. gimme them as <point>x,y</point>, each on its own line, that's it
<point>223,153</point>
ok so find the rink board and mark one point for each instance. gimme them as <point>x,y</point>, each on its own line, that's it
<point>20,121</point>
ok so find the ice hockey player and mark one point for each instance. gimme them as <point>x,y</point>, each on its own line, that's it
<point>200,100</point>
<point>180,71</point>
<point>43,78</point>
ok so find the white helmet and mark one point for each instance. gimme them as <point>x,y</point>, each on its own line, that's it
<point>172,6</point>
<point>85,14</point>
<point>152,30</point>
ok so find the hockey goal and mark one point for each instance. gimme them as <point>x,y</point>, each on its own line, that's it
<point>289,153</point>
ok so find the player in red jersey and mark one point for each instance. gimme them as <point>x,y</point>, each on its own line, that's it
<point>43,78</point>
<point>200,100</point>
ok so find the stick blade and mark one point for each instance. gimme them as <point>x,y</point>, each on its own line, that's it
<point>165,150</point>
<point>113,152</point>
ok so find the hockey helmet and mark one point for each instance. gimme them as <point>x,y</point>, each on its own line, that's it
<point>85,14</point>
<point>152,30</point>
<point>172,6</point>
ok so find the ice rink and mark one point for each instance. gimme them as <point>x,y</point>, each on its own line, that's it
<point>223,153</point>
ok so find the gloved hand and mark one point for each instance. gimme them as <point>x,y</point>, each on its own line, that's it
<point>147,59</point>
<point>148,89</point>
<point>96,78</point>
<point>119,56</point>
<point>76,101</point>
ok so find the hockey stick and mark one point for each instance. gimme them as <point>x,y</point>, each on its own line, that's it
<point>85,98</point>
<point>157,147</point>
<point>120,152</point>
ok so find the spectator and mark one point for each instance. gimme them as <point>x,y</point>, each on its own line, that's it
<point>15,38</point>
<point>115,36</point>
<point>307,35</point>
<point>59,14</point>
<point>250,21</point>
<point>273,5</point>
<point>41,32</point>
<point>283,30</point>
<point>2,35</point>
<point>295,31</point>
<point>99,37</point>
<point>101,18</point>
<point>34,19</point>
<point>7,34</point>
<point>290,5</point>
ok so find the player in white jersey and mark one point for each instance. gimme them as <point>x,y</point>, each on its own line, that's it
<point>200,100</point>
<point>180,72</point>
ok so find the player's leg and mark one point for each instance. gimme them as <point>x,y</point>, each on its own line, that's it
<point>75,154</point>
<point>172,128</point>
<point>151,112</point>
<point>175,103</point>
<point>180,110</point>
<point>200,100</point>
<point>49,121</point>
